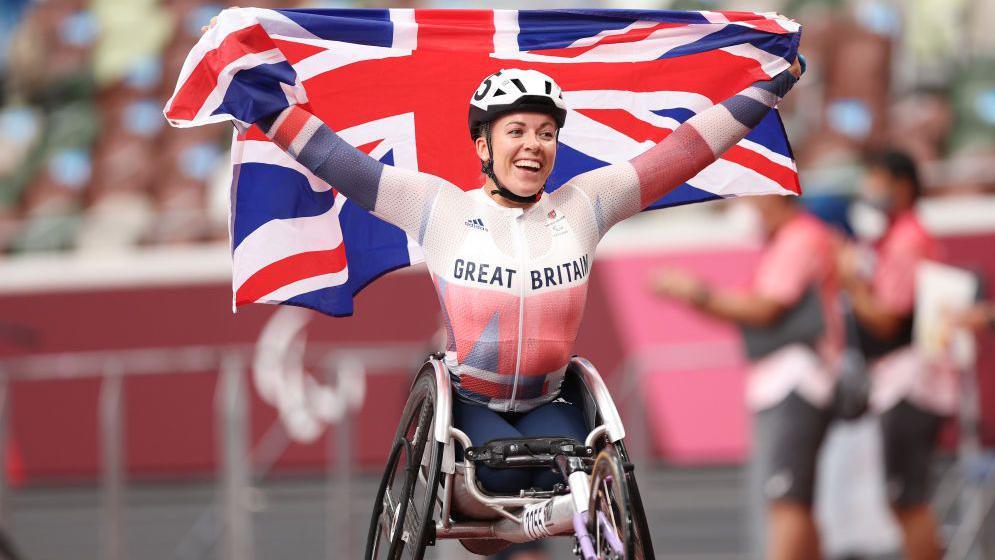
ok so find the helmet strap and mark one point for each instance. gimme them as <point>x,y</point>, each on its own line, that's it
<point>487,167</point>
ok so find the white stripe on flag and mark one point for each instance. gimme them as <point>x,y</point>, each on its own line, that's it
<point>784,22</point>
<point>714,17</point>
<point>600,141</point>
<point>771,64</point>
<point>396,133</point>
<point>506,33</point>
<point>640,104</point>
<point>405,29</point>
<point>280,26</point>
<point>304,286</point>
<point>278,239</point>
<point>338,54</point>
<point>768,153</point>
<point>726,178</point>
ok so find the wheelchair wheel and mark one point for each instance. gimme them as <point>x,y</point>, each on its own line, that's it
<point>611,517</point>
<point>643,538</point>
<point>403,521</point>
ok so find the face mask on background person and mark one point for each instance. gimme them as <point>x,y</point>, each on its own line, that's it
<point>868,220</point>
<point>881,202</point>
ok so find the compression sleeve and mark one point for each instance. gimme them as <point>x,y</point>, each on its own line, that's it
<point>399,196</point>
<point>621,190</point>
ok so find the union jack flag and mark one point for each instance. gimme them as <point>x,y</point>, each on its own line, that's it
<point>396,84</point>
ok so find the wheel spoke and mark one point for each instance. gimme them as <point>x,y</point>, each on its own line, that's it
<point>410,521</point>
<point>597,537</point>
<point>611,506</point>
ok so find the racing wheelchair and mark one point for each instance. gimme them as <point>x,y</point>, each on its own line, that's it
<point>426,494</point>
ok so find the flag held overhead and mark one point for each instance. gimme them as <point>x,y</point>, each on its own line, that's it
<point>396,84</point>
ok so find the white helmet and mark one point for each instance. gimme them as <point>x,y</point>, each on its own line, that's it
<point>512,90</point>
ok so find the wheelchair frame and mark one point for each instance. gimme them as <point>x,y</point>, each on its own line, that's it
<point>528,525</point>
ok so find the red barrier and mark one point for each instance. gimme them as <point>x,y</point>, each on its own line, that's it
<point>695,410</point>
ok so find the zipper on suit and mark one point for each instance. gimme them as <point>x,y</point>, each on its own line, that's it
<point>521,247</point>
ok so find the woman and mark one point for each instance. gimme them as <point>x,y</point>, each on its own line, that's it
<point>510,262</point>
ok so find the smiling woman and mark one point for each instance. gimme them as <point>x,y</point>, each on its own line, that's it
<point>510,262</point>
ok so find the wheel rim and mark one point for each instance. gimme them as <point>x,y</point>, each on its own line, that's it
<point>399,525</point>
<point>408,519</point>
<point>610,517</point>
<point>389,507</point>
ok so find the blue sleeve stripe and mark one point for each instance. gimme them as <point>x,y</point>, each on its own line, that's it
<point>342,166</point>
<point>748,111</point>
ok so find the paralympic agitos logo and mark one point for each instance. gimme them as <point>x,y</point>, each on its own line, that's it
<point>494,275</point>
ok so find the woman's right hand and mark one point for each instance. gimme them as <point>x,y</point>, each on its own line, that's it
<point>213,22</point>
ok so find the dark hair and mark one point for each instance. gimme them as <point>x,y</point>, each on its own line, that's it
<point>900,166</point>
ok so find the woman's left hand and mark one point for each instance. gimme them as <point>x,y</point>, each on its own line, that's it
<point>675,283</point>
<point>848,260</point>
<point>796,68</point>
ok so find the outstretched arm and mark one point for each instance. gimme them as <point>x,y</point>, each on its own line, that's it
<point>706,136</point>
<point>399,196</point>
<point>621,190</point>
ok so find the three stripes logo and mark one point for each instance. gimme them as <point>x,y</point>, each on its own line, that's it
<point>476,223</point>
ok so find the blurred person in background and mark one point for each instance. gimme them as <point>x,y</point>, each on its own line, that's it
<point>793,334</point>
<point>911,397</point>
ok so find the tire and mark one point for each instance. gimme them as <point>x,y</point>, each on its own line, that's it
<point>643,535</point>
<point>409,487</point>
<point>611,517</point>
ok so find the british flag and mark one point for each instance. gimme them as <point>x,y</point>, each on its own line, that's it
<point>395,83</point>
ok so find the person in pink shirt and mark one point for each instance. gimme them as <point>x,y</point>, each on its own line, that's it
<point>793,335</point>
<point>910,395</point>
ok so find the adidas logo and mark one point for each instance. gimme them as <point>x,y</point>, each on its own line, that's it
<point>476,223</point>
